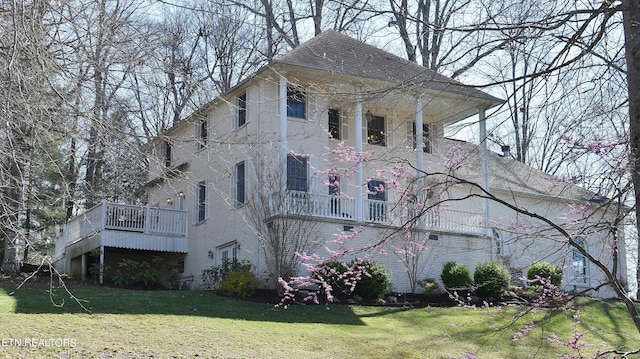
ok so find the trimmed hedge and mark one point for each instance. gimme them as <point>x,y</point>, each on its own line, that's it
<point>372,280</point>
<point>492,280</point>
<point>544,270</point>
<point>456,277</point>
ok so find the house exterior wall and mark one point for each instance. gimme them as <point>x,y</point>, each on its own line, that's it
<point>257,144</point>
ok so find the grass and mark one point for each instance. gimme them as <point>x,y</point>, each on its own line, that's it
<point>181,324</point>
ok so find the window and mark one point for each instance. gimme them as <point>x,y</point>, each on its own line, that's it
<point>167,154</point>
<point>242,110</point>
<point>228,252</point>
<point>376,190</point>
<point>240,183</point>
<point>202,202</point>
<point>334,123</point>
<point>296,173</point>
<point>425,137</point>
<point>498,240</point>
<point>334,191</point>
<point>377,204</point>
<point>203,134</point>
<point>579,264</point>
<point>296,103</point>
<point>376,132</point>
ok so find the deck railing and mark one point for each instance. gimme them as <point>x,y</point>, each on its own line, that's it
<point>375,211</point>
<point>123,217</point>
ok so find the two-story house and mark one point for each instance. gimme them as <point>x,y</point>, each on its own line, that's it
<point>337,146</point>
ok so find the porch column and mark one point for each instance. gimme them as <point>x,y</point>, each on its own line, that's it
<point>282,104</point>
<point>101,264</point>
<point>359,203</point>
<point>420,154</point>
<point>83,263</point>
<point>484,160</point>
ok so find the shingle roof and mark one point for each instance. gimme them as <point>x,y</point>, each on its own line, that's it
<point>337,53</point>
<point>509,175</point>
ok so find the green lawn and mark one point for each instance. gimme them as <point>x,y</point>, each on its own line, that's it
<point>161,324</point>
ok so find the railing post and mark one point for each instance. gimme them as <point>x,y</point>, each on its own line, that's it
<point>185,225</point>
<point>147,219</point>
<point>104,215</point>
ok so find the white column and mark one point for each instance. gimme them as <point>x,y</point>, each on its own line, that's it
<point>484,160</point>
<point>282,104</point>
<point>83,263</point>
<point>419,145</point>
<point>359,168</point>
<point>101,264</point>
<point>420,155</point>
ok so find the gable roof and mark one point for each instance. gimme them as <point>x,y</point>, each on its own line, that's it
<point>337,53</point>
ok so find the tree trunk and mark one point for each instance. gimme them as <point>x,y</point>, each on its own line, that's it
<point>631,18</point>
<point>12,225</point>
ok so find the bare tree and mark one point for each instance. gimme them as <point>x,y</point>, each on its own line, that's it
<point>281,218</point>
<point>27,107</point>
<point>102,47</point>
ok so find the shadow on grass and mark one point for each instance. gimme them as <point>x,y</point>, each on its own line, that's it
<point>104,300</point>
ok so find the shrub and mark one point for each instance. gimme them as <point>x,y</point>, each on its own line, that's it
<point>239,283</point>
<point>127,273</point>
<point>430,287</point>
<point>213,277</point>
<point>492,280</point>
<point>333,274</point>
<point>173,270</point>
<point>372,281</point>
<point>133,273</point>
<point>456,277</point>
<point>544,270</point>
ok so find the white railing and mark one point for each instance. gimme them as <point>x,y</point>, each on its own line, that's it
<point>376,211</point>
<point>316,205</point>
<point>339,207</point>
<point>450,220</point>
<point>123,217</point>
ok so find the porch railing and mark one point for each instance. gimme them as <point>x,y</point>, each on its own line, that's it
<point>374,211</point>
<point>123,217</point>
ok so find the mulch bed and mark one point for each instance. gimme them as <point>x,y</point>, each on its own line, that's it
<point>391,300</point>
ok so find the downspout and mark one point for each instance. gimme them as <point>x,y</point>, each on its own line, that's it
<point>484,159</point>
<point>257,170</point>
<point>359,167</point>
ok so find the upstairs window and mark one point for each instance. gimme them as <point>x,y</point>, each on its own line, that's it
<point>426,147</point>
<point>240,183</point>
<point>377,190</point>
<point>376,131</point>
<point>167,154</point>
<point>297,173</point>
<point>334,123</point>
<point>242,110</point>
<point>334,185</point>
<point>296,103</point>
<point>377,204</point>
<point>203,134</point>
